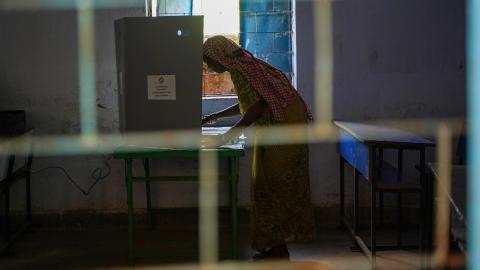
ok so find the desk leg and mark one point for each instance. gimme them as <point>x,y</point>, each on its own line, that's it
<point>423,211</point>
<point>342,190</point>
<point>28,195</point>
<point>373,227</point>
<point>429,225</point>
<point>356,202</point>
<point>128,178</point>
<point>146,167</point>
<point>11,164</point>
<point>233,174</point>
<point>381,210</point>
<point>399,198</point>
<point>373,207</point>
<point>6,222</point>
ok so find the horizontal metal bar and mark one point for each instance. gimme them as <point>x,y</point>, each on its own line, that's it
<point>65,145</point>
<point>65,4</point>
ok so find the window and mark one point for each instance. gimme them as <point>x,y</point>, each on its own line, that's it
<point>263,27</point>
<point>221,17</point>
<point>266,31</point>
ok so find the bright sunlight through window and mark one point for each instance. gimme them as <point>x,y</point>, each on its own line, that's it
<point>221,17</point>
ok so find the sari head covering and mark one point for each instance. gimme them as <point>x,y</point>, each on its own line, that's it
<point>257,72</point>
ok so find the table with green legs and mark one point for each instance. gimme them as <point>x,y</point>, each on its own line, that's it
<point>230,152</point>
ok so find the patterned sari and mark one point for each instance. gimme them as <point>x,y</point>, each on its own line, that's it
<point>282,211</point>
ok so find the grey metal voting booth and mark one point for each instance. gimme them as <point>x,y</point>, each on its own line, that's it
<point>159,66</point>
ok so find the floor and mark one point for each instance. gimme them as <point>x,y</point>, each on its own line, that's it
<point>80,244</point>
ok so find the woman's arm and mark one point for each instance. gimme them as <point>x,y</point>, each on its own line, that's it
<point>250,116</point>
<point>230,111</point>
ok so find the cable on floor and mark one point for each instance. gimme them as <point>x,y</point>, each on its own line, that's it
<point>96,175</point>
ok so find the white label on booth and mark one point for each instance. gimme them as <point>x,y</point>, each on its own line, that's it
<point>161,87</point>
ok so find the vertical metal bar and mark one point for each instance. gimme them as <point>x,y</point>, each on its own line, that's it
<point>372,173</point>
<point>442,230</point>
<point>473,132</point>
<point>323,61</point>
<point>148,8</point>
<point>233,174</point>
<point>380,209</point>
<point>429,178</point>
<point>11,165</point>
<point>342,189</point>
<point>86,60</point>
<point>356,213</point>
<point>399,197</point>
<point>146,167</point>
<point>28,190</point>
<point>423,203</point>
<point>129,180</point>
<point>208,207</point>
<point>7,212</point>
<point>154,8</point>
<point>237,176</point>
<point>380,195</point>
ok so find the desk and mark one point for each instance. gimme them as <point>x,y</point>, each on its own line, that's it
<point>12,169</point>
<point>232,152</point>
<point>361,146</point>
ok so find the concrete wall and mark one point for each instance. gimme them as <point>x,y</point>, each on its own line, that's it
<point>393,59</point>
<point>39,73</point>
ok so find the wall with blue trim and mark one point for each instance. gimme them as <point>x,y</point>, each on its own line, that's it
<point>384,67</point>
<point>396,59</point>
<point>265,30</point>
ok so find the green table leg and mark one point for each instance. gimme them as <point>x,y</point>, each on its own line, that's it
<point>146,166</point>
<point>128,174</point>
<point>233,174</point>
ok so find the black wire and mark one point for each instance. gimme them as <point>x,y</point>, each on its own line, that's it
<point>96,175</point>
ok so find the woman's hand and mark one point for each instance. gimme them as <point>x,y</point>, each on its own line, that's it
<point>230,111</point>
<point>209,119</point>
<point>212,140</point>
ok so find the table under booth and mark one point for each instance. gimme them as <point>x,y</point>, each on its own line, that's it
<point>14,167</point>
<point>230,152</point>
<point>362,147</point>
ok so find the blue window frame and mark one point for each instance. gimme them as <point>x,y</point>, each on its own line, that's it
<point>266,31</point>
